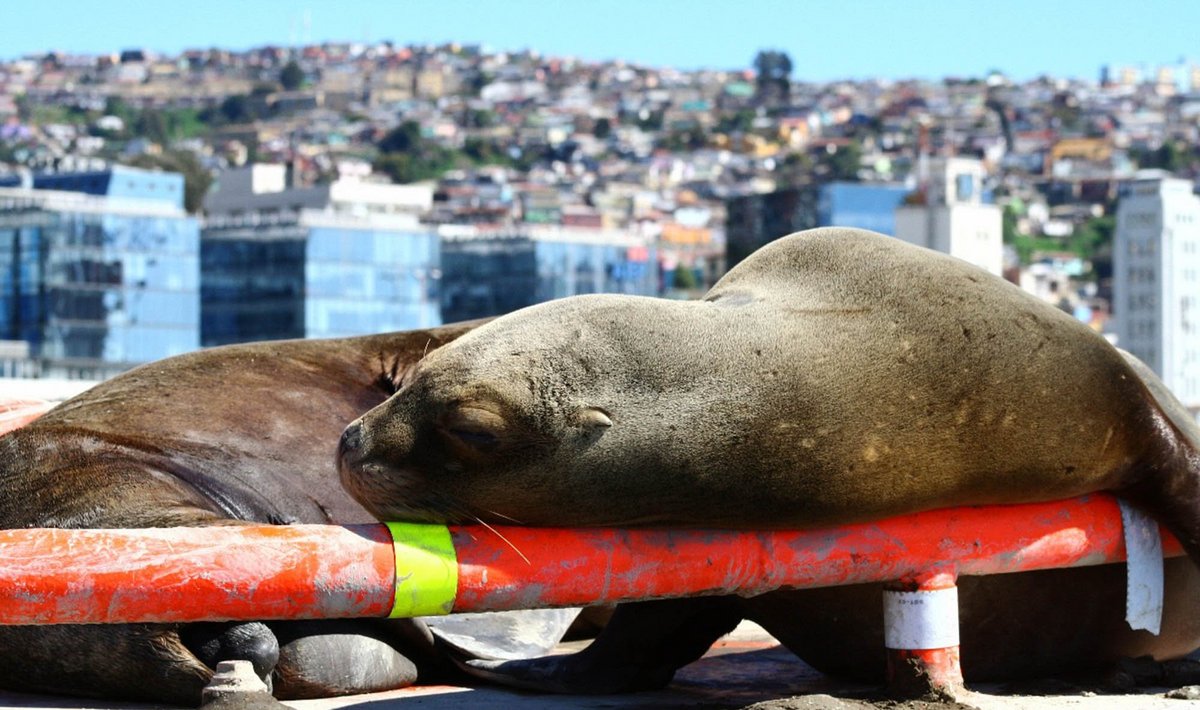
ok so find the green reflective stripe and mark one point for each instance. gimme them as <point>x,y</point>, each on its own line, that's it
<point>426,570</point>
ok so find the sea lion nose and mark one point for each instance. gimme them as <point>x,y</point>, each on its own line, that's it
<point>350,445</point>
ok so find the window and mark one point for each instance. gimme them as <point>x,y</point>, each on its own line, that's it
<point>964,186</point>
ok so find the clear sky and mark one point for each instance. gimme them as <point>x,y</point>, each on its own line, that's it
<point>826,39</point>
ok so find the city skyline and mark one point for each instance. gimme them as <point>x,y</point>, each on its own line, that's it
<point>825,41</point>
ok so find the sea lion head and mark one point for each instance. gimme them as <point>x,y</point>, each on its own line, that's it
<point>602,410</point>
<point>495,427</point>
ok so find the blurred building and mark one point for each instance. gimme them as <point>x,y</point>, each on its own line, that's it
<point>953,216</point>
<point>118,181</point>
<point>861,205</point>
<point>691,250</point>
<point>755,220</point>
<point>492,272</point>
<point>99,271</point>
<point>347,258</point>
<point>1156,281</point>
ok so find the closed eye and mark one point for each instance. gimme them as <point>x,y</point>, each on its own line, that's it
<point>479,439</point>
<point>473,427</point>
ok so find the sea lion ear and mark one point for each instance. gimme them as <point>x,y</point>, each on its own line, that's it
<point>593,418</point>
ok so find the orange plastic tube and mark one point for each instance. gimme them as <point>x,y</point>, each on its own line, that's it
<point>58,576</point>
<point>576,567</point>
<point>16,413</point>
<point>311,571</point>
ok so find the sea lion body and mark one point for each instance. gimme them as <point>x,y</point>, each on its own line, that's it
<point>215,437</point>
<point>834,376</point>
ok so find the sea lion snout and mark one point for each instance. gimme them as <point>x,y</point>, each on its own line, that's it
<point>380,434</point>
<point>373,464</point>
<point>350,445</point>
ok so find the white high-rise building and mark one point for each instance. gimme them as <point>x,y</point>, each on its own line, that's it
<point>1156,281</point>
<point>954,218</point>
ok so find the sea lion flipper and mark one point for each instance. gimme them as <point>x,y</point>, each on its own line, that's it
<point>1166,400</point>
<point>640,649</point>
<point>339,657</point>
<point>136,661</point>
<point>212,643</point>
<point>1171,490</point>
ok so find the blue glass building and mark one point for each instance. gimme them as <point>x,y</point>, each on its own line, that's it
<point>496,274</point>
<point>315,276</point>
<point>340,259</point>
<point>757,219</point>
<point>860,205</point>
<point>370,280</point>
<point>118,181</point>
<point>97,283</point>
<point>754,221</point>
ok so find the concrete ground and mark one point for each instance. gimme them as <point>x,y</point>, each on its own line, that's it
<point>744,669</point>
<point>48,389</point>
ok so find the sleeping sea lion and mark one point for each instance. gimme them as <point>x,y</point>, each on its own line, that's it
<point>835,376</point>
<point>217,437</point>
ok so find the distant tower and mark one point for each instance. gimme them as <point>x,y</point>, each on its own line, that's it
<point>955,219</point>
<point>1156,281</point>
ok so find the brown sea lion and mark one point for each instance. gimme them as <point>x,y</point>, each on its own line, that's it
<point>216,437</point>
<point>835,376</point>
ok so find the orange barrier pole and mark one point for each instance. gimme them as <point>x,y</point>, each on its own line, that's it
<point>920,630</point>
<point>60,576</point>
<point>16,413</point>
<point>313,571</point>
<point>575,567</point>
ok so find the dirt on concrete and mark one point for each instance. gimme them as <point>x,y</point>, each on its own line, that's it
<point>749,671</point>
<point>828,702</point>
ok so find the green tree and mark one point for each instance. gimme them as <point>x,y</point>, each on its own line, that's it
<point>402,138</point>
<point>685,139</point>
<point>648,120</point>
<point>406,156</point>
<point>397,166</point>
<point>741,121</point>
<point>151,124</point>
<point>475,82</point>
<point>292,76</point>
<point>1008,224</point>
<point>1169,156</point>
<point>602,129</point>
<point>116,106</point>
<point>684,278</point>
<point>794,169</point>
<point>481,118</point>
<point>1011,234</point>
<point>1065,107</point>
<point>183,123</point>
<point>484,152</point>
<point>238,109</point>
<point>196,178</point>
<point>1092,236</point>
<point>843,163</point>
<point>773,71</point>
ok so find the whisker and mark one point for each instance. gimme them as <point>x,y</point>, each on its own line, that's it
<point>506,540</point>
<point>506,517</point>
<point>426,350</point>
